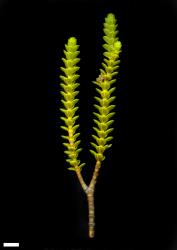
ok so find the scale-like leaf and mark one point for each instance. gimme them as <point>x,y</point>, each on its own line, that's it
<point>109,123</point>
<point>65,137</point>
<point>93,153</point>
<point>72,169</point>
<point>109,131</point>
<point>64,128</point>
<point>111,99</point>
<point>81,165</point>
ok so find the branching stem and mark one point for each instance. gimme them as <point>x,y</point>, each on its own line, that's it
<point>89,190</point>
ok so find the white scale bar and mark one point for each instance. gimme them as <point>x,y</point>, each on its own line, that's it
<point>10,244</point>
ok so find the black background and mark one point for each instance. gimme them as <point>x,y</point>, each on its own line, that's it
<point>135,200</point>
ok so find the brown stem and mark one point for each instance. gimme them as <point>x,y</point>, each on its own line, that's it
<point>90,199</point>
<point>91,210</point>
<point>95,175</point>
<point>81,180</point>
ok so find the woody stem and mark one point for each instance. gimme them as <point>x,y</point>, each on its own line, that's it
<point>91,212</point>
<point>81,180</point>
<point>90,199</point>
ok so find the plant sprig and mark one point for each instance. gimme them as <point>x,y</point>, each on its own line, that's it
<point>69,101</point>
<point>104,83</point>
<point>104,108</point>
